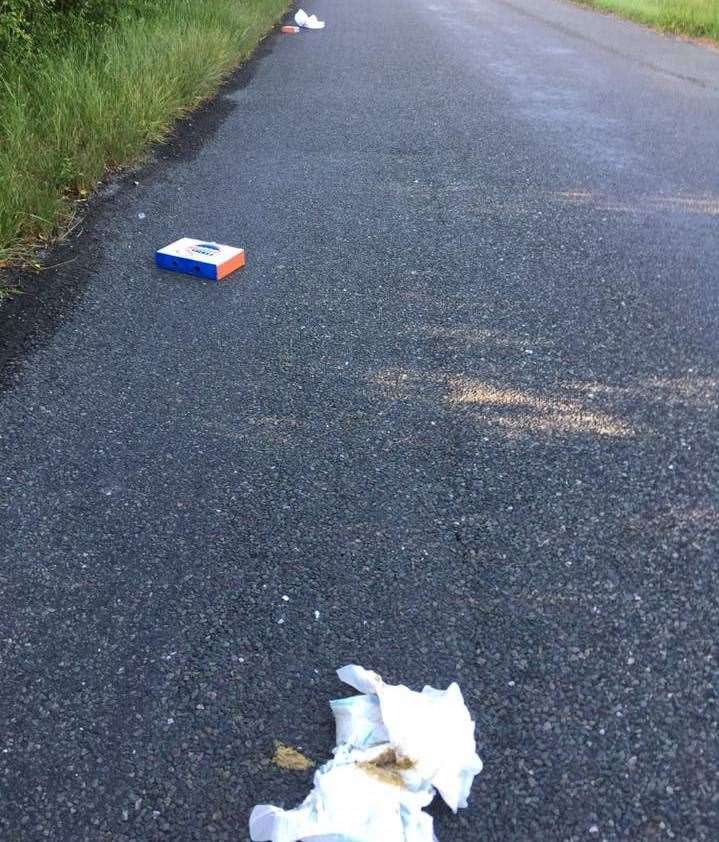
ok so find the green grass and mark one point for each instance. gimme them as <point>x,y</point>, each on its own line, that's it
<point>93,105</point>
<point>697,18</point>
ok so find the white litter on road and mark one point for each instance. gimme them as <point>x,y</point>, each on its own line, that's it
<point>308,21</point>
<point>395,749</point>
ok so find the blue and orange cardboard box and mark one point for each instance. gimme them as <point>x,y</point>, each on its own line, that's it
<point>198,257</point>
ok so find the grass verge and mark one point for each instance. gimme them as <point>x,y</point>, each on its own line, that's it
<point>92,105</point>
<point>696,18</point>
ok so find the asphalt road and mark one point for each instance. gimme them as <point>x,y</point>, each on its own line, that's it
<point>462,402</point>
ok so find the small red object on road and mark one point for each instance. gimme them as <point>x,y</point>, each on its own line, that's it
<point>290,30</point>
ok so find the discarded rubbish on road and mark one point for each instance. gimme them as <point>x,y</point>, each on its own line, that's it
<point>396,749</point>
<point>196,257</point>
<point>306,21</point>
<point>290,30</point>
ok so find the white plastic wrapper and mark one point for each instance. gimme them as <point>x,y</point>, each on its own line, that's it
<point>358,721</point>
<point>308,21</point>
<point>395,747</point>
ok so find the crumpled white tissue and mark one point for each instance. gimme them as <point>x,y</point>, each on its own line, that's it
<point>308,21</point>
<point>432,728</point>
<point>431,735</point>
